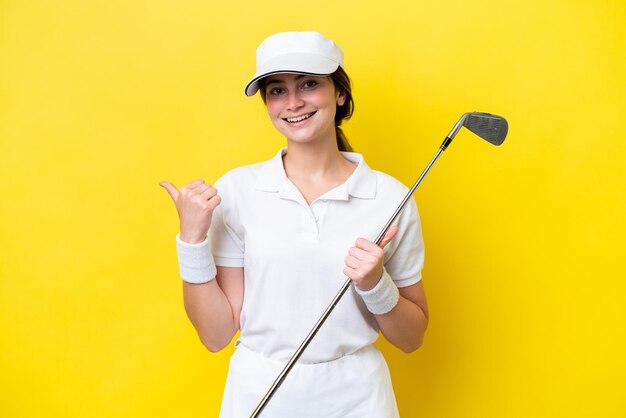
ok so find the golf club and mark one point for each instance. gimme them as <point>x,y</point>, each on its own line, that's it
<point>489,127</point>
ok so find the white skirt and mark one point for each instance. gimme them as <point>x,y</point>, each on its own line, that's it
<point>354,386</point>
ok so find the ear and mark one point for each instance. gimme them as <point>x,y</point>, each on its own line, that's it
<point>341,98</point>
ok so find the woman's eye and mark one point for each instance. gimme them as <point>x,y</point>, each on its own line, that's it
<point>276,91</point>
<point>310,84</point>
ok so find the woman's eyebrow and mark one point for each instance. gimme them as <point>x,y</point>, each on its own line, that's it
<point>280,80</point>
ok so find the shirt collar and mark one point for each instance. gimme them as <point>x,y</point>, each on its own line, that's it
<point>361,184</point>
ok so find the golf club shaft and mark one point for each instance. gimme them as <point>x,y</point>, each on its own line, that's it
<point>292,361</point>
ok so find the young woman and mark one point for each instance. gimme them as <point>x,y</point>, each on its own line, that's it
<point>268,253</point>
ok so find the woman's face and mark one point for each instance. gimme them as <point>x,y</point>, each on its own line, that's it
<point>302,107</point>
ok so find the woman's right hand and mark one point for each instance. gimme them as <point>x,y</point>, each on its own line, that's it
<point>195,204</point>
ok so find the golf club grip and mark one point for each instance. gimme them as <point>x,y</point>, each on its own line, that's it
<point>292,361</point>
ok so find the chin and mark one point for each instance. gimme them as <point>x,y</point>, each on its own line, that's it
<point>307,136</point>
<point>300,135</point>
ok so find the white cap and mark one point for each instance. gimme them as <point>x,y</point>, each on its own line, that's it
<point>295,52</point>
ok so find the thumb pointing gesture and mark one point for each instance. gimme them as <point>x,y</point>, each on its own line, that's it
<point>171,189</point>
<point>195,204</point>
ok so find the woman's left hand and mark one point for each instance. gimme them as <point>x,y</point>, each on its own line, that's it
<point>364,263</point>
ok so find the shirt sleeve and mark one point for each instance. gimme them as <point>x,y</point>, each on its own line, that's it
<point>225,233</point>
<point>404,255</point>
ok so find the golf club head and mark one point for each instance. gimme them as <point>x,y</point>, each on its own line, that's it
<point>491,128</point>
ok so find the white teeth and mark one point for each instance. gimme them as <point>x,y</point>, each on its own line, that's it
<point>299,118</point>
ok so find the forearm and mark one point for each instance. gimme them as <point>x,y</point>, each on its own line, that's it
<point>404,326</point>
<point>211,314</point>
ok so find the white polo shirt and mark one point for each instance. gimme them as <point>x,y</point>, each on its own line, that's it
<point>293,254</point>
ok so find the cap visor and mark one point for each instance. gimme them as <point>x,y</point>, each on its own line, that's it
<point>294,64</point>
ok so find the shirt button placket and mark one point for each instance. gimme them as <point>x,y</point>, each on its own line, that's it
<point>309,223</point>
<point>314,218</point>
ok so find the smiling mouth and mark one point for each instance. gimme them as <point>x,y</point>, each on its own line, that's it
<point>299,118</point>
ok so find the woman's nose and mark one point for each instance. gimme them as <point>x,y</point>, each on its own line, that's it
<point>294,100</point>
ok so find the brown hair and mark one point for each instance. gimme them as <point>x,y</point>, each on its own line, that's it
<point>342,84</point>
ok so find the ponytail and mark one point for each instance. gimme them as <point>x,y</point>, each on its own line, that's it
<point>344,112</point>
<point>342,141</point>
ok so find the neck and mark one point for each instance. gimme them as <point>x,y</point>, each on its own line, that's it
<point>315,169</point>
<point>312,159</point>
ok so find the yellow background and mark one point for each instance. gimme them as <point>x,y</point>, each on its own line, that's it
<point>100,100</point>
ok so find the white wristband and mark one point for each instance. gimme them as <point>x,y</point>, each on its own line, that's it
<point>381,298</point>
<point>195,261</point>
